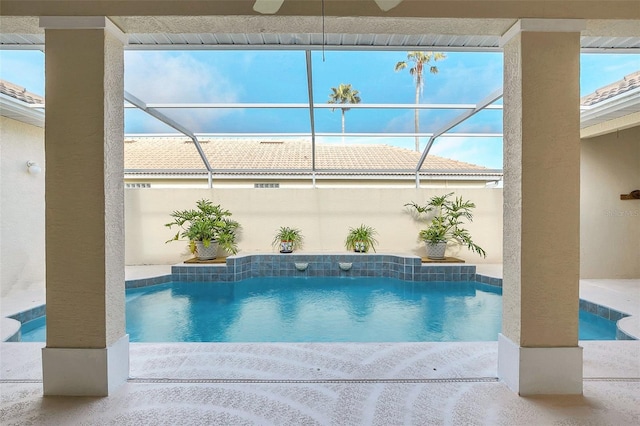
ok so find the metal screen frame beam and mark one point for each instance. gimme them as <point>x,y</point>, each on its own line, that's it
<point>324,134</point>
<point>493,97</point>
<point>311,116</point>
<point>268,105</point>
<point>138,103</point>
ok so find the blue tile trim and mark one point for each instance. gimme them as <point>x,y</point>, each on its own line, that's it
<point>17,335</point>
<point>621,335</point>
<point>29,314</point>
<point>144,282</point>
<point>602,311</point>
<point>409,268</point>
<point>496,282</point>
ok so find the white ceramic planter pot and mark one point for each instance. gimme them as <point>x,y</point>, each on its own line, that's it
<point>206,253</point>
<point>286,246</point>
<point>436,251</point>
<point>360,247</point>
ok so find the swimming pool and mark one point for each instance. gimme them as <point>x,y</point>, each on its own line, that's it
<point>319,309</point>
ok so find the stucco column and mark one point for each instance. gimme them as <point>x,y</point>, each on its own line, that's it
<point>538,346</point>
<point>87,351</point>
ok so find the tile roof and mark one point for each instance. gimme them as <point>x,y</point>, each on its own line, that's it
<point>232,155</point>
<point>20,93</point>
<point>629,82</point>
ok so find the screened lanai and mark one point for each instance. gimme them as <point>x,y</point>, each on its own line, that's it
<point>379,118</point>
<point>305,102</point>
<point>310,132</point>
<point>85,54</point>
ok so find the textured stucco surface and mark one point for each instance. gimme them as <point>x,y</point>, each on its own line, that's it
<point>586,9</point>
<point>326,384</point>
<point>542,189</point>
<point>21,208</point>
<point>512,192</point>
<point>84,157</point>
<point>323,215</point>
<point>493,24</point>
<point>114,186</point>
<point>311,24</point>
<point>610,227</point>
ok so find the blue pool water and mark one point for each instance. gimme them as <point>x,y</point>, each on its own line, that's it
<point>319,310</point>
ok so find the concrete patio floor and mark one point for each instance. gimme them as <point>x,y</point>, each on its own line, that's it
<point>324,384</point>
<point>331,383</point>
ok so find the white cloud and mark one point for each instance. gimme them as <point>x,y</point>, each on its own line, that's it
<point>466,79</point>
<point>485,152</point>
<point>177,77</point>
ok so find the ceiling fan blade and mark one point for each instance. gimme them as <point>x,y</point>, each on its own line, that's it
<point>387,5</point>
<point>267,7</point>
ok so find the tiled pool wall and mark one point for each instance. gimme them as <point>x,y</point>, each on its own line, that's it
<point>24,316</point>
<point>145,282</point>
<point>607,313</point>
<point>361,265</point>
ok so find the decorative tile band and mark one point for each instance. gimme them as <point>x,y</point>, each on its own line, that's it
<point>408,268</point>
<point>145,282</point>
<point>492,281</point>
<point>607,313</point>
<point>16,336</point>
<point>29,314</point>
<point>601,311</point>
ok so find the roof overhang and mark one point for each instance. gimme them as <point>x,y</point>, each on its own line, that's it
<point>613,114</point>
<point>461,175</point>
<point>20,111</point>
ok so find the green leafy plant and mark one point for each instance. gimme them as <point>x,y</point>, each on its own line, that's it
<point>447,222</point>
<point>361,239</point>
<point>288,239</point>
<point>207,223</point>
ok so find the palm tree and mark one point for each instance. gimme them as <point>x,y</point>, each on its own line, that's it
<point>418,60</point>
<point>343,94</point>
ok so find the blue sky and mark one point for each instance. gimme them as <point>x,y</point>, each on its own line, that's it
<point>279,76</point>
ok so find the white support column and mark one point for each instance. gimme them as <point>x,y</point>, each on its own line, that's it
<point>87,351</point>
<point>538,350</point>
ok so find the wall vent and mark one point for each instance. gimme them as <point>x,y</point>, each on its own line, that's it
<point>266,185</point>
<point>136,185</point>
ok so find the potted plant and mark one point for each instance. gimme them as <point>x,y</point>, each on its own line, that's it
<point>288,239</point>
<point>206,227</point>
<point>446,225</point>
<point>360,239</point>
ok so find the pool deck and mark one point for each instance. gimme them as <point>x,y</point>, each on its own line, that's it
<point>330,383</point>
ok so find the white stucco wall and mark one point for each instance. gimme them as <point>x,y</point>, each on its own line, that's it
<point>323,215</point>
<point>610,227</point>
<point>22,265</point>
